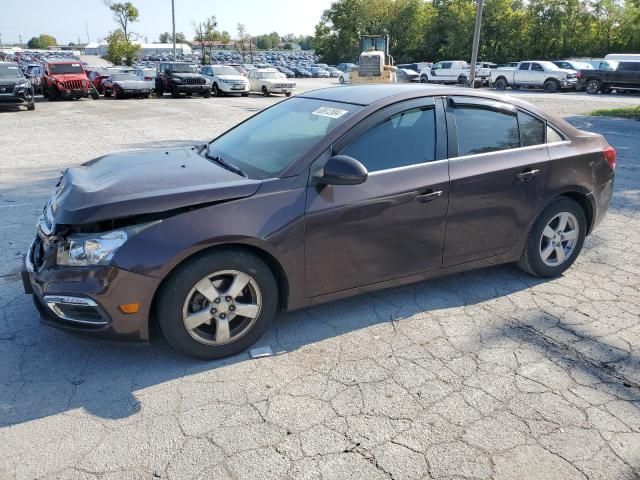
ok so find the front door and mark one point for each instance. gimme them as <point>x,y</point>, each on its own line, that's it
<point>392,225</point>
<point>498,163</point>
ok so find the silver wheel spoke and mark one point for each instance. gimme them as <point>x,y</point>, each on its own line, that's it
<point>560,254</point>
<point>222,330</point>
<point>546,253</point>
<point>247,310</point>
<point>206,288</point>
<point>194,320</point>
<point>562,223</point>
<point>570,235</point>
<point>239,282</point>
<point>548,232</point>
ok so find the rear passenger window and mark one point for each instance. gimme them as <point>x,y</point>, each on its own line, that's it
<point>481,130</point>
<point>408,138</point>
<point>531,129</point>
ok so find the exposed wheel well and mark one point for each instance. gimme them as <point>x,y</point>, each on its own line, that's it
<point>584,202</point>
<point>272,263</point>
<point>551,79</point>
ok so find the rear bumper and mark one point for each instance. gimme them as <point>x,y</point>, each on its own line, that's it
<point>601,198</point>
<point>86,299</point>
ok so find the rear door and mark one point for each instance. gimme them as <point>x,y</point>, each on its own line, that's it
<point>537,74</point>
<point>498,162</point>
<point>393,224</point>
<point>521,75</point>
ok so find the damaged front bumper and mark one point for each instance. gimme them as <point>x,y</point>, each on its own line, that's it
<point>87,299</point>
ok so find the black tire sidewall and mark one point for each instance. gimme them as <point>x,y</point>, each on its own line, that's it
<point>174,291</point>
<point>535,264</point>
<point>550,86</point>
<point>592,82</point>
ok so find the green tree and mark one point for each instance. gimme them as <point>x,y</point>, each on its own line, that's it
<point>120,50</point>
<point>166,37</point>
<point>205,34</point>
<point>124,13</point>
<point>42,42</point>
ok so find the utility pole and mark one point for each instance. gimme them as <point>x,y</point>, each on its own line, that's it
<point>173,21</point>
<point>476,42</point>
<point>20,37</point>
<point>86,26</point>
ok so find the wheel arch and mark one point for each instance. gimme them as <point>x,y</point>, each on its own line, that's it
<point>274,265</point>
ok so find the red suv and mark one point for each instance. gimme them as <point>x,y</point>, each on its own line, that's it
<point>66,79</point>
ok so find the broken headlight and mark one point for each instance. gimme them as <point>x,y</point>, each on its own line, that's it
<point>88,249</point>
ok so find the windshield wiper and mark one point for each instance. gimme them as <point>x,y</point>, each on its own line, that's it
<point>222,162</point>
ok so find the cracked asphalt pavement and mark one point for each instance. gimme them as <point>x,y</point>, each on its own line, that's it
<point>486,374</point>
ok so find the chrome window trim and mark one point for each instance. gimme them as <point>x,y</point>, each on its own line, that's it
<point>518,149</point>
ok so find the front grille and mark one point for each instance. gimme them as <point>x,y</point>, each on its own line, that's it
<point>194,81</point>
<point>73,85</point>
<point>370,67</point>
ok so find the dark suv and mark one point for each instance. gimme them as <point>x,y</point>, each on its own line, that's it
<point>328,194</point>
<point>181,77</point>
<point>14,87</point>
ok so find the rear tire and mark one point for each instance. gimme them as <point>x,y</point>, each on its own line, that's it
<point>501,84</point>
<point>31,106</point>
<point>174,92</point>
<point>217,271</point>
<point>540,242</point>
<point>462,80</point>
<point>288,94</point>
<point>246,94</point>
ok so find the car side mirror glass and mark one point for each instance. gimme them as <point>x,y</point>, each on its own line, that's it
<point>343,170</point>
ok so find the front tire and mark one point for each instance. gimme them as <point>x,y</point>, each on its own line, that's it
<point>462,80</point>
<point>551,86</point>
<point>217,304</point>
<point>555,240</point>
<point>206,94</point>
<point>592,87</point>
<point>266,92</point>
<point>174,91</point>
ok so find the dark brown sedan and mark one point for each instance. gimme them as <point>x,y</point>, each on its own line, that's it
<point>322,196</point>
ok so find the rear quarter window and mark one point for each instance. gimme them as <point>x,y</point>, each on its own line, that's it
<point>532,129</point>
<point>482,130</point>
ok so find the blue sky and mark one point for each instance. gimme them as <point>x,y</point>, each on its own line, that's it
<point>65,19</point>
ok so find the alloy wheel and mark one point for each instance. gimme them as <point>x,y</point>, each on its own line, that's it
<point>222,307</point>
<point>593,87</point>
<point>559,239</point>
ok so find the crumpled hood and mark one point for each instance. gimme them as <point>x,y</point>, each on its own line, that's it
<point>134,84</point>
<point>142,182</point>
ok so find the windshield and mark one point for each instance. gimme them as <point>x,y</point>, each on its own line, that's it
<point>269,75</point>
<point>548,65</point>
<point>225,71</point>
<point>123,76</point>
<point>184,68</point>
<point>269,142</point>
<point>10,71</point>
<point>62,68</point>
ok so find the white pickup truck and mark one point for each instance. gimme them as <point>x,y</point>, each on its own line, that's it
<point>452,71</point>
<point>536,74</point>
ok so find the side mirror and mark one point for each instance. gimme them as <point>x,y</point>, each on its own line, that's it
<point>343,170</point>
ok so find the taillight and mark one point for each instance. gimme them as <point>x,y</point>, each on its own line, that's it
<point>609,155</point>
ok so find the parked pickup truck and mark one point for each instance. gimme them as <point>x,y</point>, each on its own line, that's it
<point>624,77</point>
<point>535,74</point>
<point>452,71</point>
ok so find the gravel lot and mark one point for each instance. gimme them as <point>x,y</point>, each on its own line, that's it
<point>487,374</point>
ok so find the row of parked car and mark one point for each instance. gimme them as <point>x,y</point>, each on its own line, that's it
<point>70,79</point>
<point>620,72</point>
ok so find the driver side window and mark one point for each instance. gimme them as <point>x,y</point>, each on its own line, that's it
<point>407,138</point>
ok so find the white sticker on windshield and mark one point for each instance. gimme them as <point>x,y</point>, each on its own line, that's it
<point>330,112</point>
<point>75,64</point>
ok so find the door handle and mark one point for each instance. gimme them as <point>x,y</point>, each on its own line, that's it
<point>527,175</point>
<point>429,196</point>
